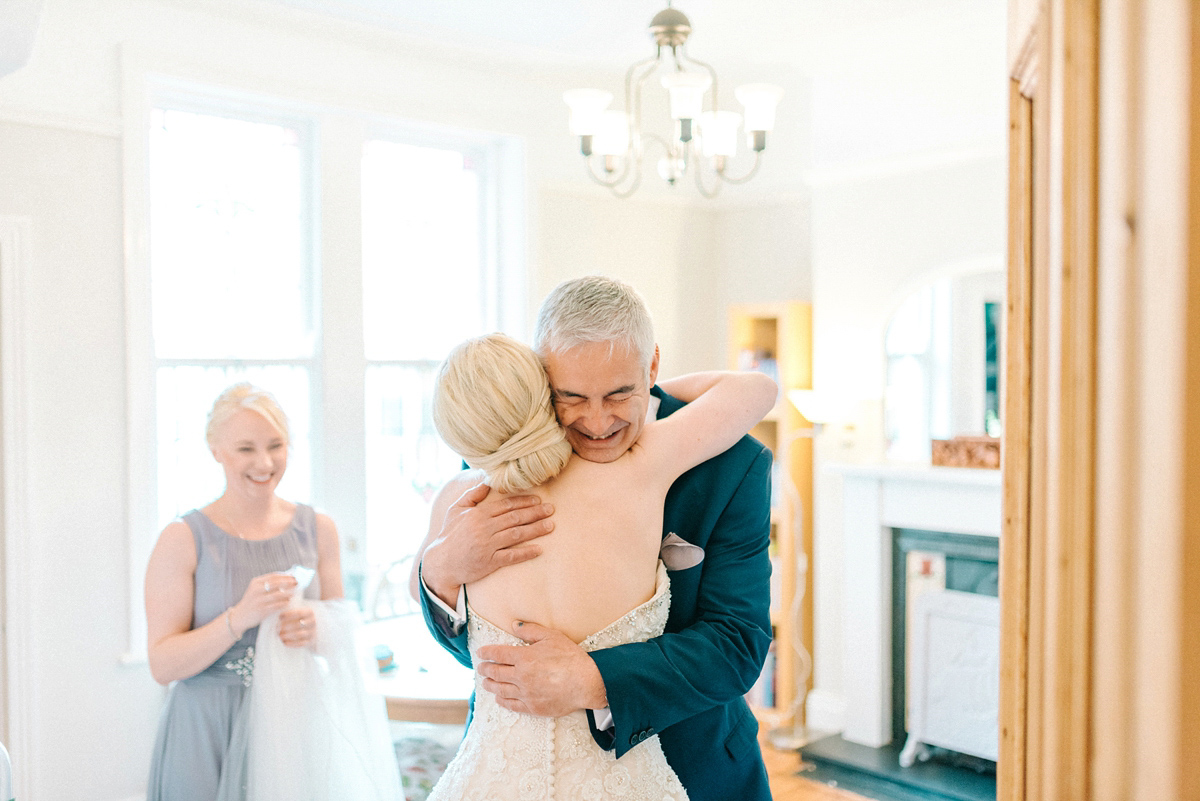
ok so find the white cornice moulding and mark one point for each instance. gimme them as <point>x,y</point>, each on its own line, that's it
<point>378,31</point>
<point>681,198</point>
<point>100,126</point>
<point>586,190</point>
<point>883,168</point>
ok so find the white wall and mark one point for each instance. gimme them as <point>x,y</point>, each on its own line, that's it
<point>665,249</point>
<point>92,717</point>
<point>689,259</point>
<point>853,242</point>
<point>61,165</point>
<point>875,240</point>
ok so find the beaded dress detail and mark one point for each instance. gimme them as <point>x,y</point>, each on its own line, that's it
<point>508,756</point>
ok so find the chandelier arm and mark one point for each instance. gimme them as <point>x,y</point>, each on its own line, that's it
<point>712,72</point>
<point>614,184</point>
<point>669,30</point>
<point>743,179</point>
<point>613,180</point>
<point>603,180</point>
<point>705,191</point>
<point>635,77</point>
<point>660,139</point>
<point>622,194</point>
<point>633,102</point>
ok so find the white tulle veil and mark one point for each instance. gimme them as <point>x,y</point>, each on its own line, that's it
<point>314,732</point>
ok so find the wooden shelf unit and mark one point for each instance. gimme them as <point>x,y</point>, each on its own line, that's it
<point>783,332</point>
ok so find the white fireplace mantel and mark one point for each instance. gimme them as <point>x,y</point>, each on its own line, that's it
<point>875,500</point>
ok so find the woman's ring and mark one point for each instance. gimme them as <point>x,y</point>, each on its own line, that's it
<point>266,586</point>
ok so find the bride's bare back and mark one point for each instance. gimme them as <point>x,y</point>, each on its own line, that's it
<point>601,559</point>
<point>598,563</point>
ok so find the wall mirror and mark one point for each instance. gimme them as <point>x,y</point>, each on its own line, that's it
<point>943,350</point>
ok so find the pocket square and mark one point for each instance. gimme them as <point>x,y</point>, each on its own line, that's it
<point>679,554</point>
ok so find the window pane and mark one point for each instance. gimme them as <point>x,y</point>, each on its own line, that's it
<point>422,270</point>
<point>229,273</point>
<point>188,477</point>
<point>406,461</point>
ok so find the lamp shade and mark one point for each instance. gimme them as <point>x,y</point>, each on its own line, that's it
<point>586,107</point>
<point>815,408</point>
<point>612,135</point>
<point>687,93</point>
<point>759,100</point>
<point>718,132</point>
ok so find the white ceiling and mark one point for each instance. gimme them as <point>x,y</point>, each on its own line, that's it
<point>809,34</point>
<point>880,80</point>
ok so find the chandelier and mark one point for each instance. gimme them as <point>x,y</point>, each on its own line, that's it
<point>614,143</point>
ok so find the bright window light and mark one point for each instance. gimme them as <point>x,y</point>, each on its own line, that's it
<point>231,290</point>
<point>423,293</point>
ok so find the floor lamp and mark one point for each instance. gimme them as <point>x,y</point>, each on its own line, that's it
<point>797,735</point>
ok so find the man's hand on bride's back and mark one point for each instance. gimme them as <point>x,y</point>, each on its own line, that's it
<point>550,676</point>
<point>476,541</point>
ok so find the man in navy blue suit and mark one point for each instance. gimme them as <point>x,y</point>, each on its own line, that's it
<point>686,685</point>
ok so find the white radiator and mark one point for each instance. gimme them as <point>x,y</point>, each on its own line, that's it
<point>955,677</point>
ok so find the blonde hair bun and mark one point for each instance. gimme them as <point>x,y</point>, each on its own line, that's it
<point>491,404</point>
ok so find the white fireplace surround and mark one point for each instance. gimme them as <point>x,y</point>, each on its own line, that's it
<point>876,499</point>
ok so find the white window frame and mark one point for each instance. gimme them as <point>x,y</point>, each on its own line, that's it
<point>338,435</point>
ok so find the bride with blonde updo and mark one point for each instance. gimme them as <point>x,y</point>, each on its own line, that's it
<point>492,406</point>
<point>596,577</point>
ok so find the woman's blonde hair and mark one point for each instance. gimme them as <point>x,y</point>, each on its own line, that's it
<point>491,404</point>
<point>245,395</point>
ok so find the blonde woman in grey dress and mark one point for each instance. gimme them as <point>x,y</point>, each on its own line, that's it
<point>213,577</point>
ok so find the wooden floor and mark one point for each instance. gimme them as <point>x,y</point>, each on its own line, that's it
<point>787,786</point>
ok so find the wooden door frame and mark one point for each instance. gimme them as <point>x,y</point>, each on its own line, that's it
<point>1100,556</point>
<point>1189,754</point>
<point>1017,457</point>
<point>1049,459</point>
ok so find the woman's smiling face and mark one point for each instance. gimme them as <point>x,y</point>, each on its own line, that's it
<point>253,452</point>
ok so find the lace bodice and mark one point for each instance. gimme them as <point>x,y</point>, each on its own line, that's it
<point>507,755</point>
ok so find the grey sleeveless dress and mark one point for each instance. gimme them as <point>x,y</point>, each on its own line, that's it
<point>199,753</point>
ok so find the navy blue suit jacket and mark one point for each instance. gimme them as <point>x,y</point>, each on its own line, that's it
<point>687,685</point>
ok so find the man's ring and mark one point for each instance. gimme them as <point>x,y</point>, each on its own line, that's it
<point>266,586</point>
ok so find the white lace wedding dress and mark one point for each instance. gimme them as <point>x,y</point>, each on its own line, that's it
<point>507,756</point>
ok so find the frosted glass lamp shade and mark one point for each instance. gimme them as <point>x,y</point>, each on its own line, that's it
<point>718,132</point>
<point>612,135</point>
<point>816,409</point>
<point>687,93</point>
<point>587,106</point>
<point>759,100</point>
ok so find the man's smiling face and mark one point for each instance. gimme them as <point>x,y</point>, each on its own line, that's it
<point>601,394</point>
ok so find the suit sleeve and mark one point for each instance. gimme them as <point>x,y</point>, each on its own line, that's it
<point>719,655</point>
<point>443,629</point>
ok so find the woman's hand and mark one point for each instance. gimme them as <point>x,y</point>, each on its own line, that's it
<point>298,626</point>
<point>265,595</point>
